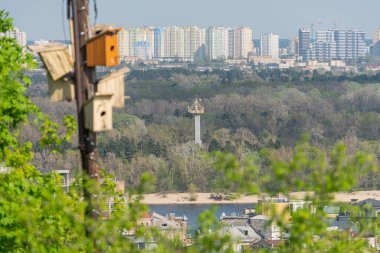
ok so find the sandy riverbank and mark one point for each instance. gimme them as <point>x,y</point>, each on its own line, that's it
<point>204,198</point>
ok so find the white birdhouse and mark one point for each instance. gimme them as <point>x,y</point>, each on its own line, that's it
<point>114,84</point>
<point>98,113</point>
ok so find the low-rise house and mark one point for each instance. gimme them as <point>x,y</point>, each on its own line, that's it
<point>282,207</point>
<point>331,212</point>
<point>266,244</point>
<point>265,227</point>
<point>370,207</point>
<point>234,220</point>
<point>242,236</point>
<point>353,225</point>
<point>170,226</point>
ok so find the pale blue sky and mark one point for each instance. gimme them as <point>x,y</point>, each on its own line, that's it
<point>43,18</point>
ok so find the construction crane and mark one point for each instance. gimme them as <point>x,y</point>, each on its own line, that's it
<point>312,25</point>
<point>335,21</point>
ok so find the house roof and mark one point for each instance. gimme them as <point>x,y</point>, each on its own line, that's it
<point>369,201</point>
<point>260,217</point>
<point>147,215</point>
<point>242,233</point>
<point>339,224</point>
<point>234,220</point>
<point>170,224</point>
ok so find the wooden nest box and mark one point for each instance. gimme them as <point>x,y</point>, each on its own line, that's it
<point>61,89</point>
<point>114,84</point>
<point>98,113</point>
<point>59,66</point>
<point>102,49</point>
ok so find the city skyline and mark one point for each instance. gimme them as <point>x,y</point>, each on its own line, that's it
<point>284,20</point>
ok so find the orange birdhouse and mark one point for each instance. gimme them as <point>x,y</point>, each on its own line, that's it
<point>102,49</point>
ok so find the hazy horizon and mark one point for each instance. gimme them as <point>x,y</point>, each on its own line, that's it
<point>263,16</point>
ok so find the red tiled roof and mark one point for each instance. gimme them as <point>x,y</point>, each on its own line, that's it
<point>147,215</point>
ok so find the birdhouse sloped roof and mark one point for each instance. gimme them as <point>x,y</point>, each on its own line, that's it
<point>56,59</point>
<point>114,74</point>
<point>102,30</point>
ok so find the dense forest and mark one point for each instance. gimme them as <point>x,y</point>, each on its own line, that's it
<point>247,113</point>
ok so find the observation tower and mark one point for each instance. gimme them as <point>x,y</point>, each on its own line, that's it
<point>197,109</point>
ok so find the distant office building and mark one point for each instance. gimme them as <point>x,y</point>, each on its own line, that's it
<point>217,43</point>
<point>325,46</point>
<point>293,46</point>
<point>355,44</point>
<point>123,43</point>
<point>340,44</point>
<point>305,46</point>
<point>340,40</point>
<point>332,44</point>
<point>18,35</point>
<point>269,45</point>
<point>240,42</point>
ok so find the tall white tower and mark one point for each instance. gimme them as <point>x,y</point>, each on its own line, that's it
<point>197,109</point>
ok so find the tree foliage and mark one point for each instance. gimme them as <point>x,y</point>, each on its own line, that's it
<point>36,215</point>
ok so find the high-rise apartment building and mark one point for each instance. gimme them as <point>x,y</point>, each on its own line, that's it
<point>175,38</point>
<point>159,43</point>
<point>143,34</point>
<point>240,42</point>
<point>269,45</point>
<point>150,39</point>
<point>194,38</point>
<point>186,42</point>
<point>217,43</point>
<point>375,48</point>
<point>123,43</point>
<point>18,35</point>
<point>376,37</point>
<point>142,50</point>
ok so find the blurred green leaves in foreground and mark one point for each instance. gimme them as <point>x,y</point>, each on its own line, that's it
<point>36,215</point>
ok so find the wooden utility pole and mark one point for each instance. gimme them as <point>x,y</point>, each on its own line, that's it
<point>84,90</point>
